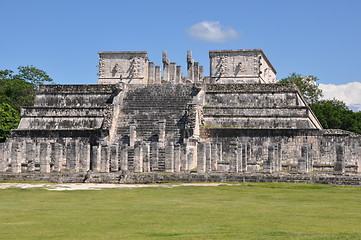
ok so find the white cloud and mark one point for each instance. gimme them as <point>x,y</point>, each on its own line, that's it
<point>349,93</point>
<point>211,31</point>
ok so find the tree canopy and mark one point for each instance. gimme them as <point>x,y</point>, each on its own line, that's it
<point>9,119</point>
<point>307,85</point>
<point>17,90</point>
<point>332,114</point>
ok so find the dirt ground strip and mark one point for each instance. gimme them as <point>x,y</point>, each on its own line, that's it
<point>95,186</point>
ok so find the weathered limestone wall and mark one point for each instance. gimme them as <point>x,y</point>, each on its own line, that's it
<point>127,67</point>
<point>148,122</point>
<point>61,107</point>
<point>258,106</point>
<point>240,66</point>
<point>137,178</point>
<point>287,150</point>
<point>134,68</point>
<point>48,155</point>
<point>57,133</point>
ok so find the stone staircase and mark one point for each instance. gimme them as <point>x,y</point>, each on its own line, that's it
<point>145,106</point>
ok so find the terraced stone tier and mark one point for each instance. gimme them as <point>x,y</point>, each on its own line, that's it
<point>258,106</point>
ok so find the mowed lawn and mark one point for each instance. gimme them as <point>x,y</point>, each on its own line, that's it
<point>239,211</point>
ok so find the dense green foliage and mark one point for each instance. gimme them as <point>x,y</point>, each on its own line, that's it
<point>307,85</point>
<point>9,119</point>
<point>241,211</point>
<point>332,114</point>
<point>17,90</point>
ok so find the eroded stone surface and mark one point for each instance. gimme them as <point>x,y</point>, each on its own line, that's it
<point>138,120</point>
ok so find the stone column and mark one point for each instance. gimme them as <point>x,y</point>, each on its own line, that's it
<point>162,125</point>
<point>157,75</point>
<point>239,157</point>
<point>132,134</point>
<point>303,161</point>
<point>169,157</point>
<point>172,72</point>
<point>114,158</point>
<point>190,67</point>
<point>196,71</point>
<point>58,156</point>
<point>151,73</point>
<point>208,156</point>
<point>201,157</point>
<point>214,156</point>
<point>15,155</point>
<point>340,159</point>
<point>68,155</point>
<point>95,161</point>
<point>2,157</point>
<point>30,156</point>
<point>269,165</point>
<point>138,158</point>
<point>191,157</point>
<point>177,161</point>
<point>165,61</point>
<point>72,156</point>
<point>124,158</point>
<point>146,156</point>
<point>154,156</point>
<point>220,151</point>
<point>279,157</point>
<point>183,159</point>
<point>44,158</point>
<point>178,78</point>
<point>200,73</point>
<point>233,155</point>
<point>85,161</point>
<point>104,156</point>
<point>244,157</point>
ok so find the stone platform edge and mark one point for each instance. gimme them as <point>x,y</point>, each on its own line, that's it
<point>144,178</point>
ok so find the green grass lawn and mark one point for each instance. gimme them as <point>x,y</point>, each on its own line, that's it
<point>244,211</point>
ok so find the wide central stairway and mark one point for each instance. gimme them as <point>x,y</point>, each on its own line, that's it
<point>151,108</point>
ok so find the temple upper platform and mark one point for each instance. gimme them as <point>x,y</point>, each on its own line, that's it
<point>226,66</point>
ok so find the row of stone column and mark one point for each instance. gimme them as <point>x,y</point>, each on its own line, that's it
<point>144,157</point>
<point>78,156</point>
<point>24,156</point>
<point>173,73</point>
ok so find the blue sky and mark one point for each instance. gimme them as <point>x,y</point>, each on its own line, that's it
<point>320,38</point>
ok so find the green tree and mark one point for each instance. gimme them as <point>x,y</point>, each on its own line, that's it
<point>34,75</point>
<point>9,119</point>
<point>307,85</point>
<point>334,114</point>
<point>17,90</point>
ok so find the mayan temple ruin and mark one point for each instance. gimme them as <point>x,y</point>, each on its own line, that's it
<point>141,118</point>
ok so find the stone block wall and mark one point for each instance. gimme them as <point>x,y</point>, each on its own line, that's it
<point>149,121</point>
<point>240,66</point>
<point>258,106</point>
<point>287,150</point>
<point>128,67</point>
